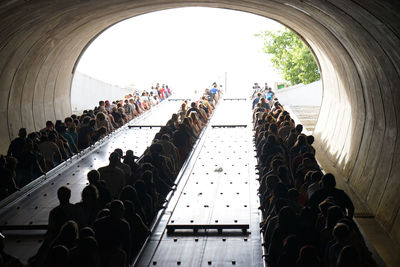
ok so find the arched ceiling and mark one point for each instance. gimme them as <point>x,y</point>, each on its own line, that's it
<point>356,43</point>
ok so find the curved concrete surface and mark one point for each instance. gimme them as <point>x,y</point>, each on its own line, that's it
<point>356,43</point>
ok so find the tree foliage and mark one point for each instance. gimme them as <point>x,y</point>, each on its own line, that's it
<point>290,56</point>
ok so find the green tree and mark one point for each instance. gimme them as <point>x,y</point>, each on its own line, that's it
<point>290,56</point>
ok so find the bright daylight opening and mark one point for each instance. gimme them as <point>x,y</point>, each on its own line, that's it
<point>187,49</point>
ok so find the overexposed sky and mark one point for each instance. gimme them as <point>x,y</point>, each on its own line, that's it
<point>186,48</point>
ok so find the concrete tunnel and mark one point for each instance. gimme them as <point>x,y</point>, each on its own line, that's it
<point>356,43</point>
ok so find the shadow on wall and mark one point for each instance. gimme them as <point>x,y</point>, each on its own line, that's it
<point>86,92</point>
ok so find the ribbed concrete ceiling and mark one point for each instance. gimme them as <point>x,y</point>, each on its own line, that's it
<point>356,43</point>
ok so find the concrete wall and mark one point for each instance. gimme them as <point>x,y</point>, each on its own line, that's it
<point>301,95</point>
<point>86,92</point>
<point>356,43</point>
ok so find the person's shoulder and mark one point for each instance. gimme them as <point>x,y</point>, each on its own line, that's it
<point>105,168</point>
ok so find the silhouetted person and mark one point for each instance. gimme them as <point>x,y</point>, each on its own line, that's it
<point>181,140</point>
<point>124,167</point>
<point>113,176</point>
<point>84,134</point>
<point>28,166</point>
<point>50,151</point>
<point>104,194</point>
<point>139,230</point>
<point>328,190</point>
<point>59,215</point>
<point>113,236</point>
<point>286,226</point>
<point>145,199</point>
<point>68,235</point>
<point>129,194</point>
<point>88,207</point>
<point>341,238</point>
<point>16,146</point>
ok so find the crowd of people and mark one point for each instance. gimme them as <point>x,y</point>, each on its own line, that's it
<point>32,155</point>
<point>108,227</point>
<point>306,220</point>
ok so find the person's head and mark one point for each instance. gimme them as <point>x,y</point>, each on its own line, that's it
<point>86,232</point>
<point>156,149</point>
<point>86,120</point>
<point>165,137</point>
<point>259,94</point>
<point>193,116</point>
<point>63,194</point>
<point>114,158</point>
<point>273,128</point>
<point>275,164</point>
<point>90,195</point>
<point>280,190</point>
<point>100,116</point>
<point>119,152</point>
<point>299,128</point>
<point>341,233</point>
<point>186,121</point>
<point>324,206</point>
<point>193,104</point>
<point>103,213</point>
<point>62,129</point>
<point>128,193</point>
<point>117,209</point>
<point>22,133</point>
<point>101,103</point>
<point>316,176</point>
<point>69,231</point>
<point>93,176</point>
<point>301,141</point>
<point>328,181</point>
<point>50,125</point>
